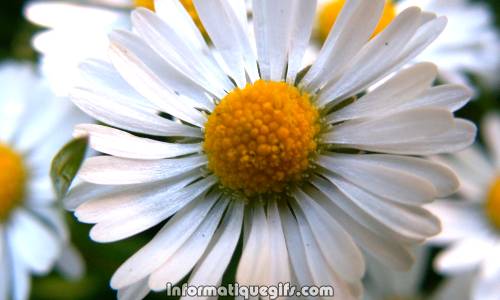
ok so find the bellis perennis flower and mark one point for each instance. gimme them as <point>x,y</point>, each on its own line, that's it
<point>470,43</point>
<point>78,30</point>
<point>311,166</point>
<point>471,223</point>
<point>33,234</point>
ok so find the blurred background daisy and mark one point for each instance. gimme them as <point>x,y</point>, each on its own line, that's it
<point>76,30</point>
<point>33,233</point>
<point>469,45</point>
<point>58,35</point>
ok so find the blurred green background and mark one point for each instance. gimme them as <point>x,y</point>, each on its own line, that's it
<point>103,259</point>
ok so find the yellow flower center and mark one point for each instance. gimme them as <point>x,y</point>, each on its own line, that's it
<point>188,5</point>
<point>493,203</point>
<point>149,4</point>
<point>260,138</point>
<point>12,180</point>
<point>329,12</point>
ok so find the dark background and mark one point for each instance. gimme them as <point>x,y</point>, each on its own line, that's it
<point>103,259</point>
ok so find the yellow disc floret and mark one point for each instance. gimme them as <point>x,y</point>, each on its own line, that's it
<point>329,12</point>
<point>493,203</point>
<point>260,138</point>
<point>188,5</point>
<point>150,4</point>
<point>12,180</point>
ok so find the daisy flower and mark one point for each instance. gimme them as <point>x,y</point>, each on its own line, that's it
<point>78,30</point>
<point>471,223</point>
<point>469,44</point>
<point>311,166</point>
<point>33,234</point>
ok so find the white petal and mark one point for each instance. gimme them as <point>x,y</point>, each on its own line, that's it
<point>131,218</point>
<point>282,30</point>
<point>172,47</point>
<point>491,129</point>
<point>396,129</point>
<point>443,178</point>
<point>174,14</point>
<point>83,192</point>
<point>487,288</point>
<point>295,247</point>
<point>459,219</point>
<point>427,33</point>
<point>382,179</point>
<point>346,259</point>
<point>39,190</point>
<point>110,170</point>
<point>178,265</point>
<point>351,30</point>
<point>103,108</point>
<point>98,205</point>
<point>373,61</point>
<point>55,218</point>
<point>279,265</point>
<point>457,287</point>
<point>382,241</point>
<point>255,259</point>
<point>271,25</point>
<point>393,282</point>
<point>229,36</point>
<point>357,212</point>
<point>458,138</point>
<point>213,264</point>
<point>27,236</point>
<point>100,75</point>
<point>154,78</point>
<point>61,15</point>
<point>474,170</point>
<point>122,144</point>
<point>449,96</point>
<point>70,263</point>
<point>462,256</point>
<point>47,122</point>
<point>411,221</point>
<point>14,95</point>
<point>20,281</point>
<point>136,291</point>
<point>4,265</point>
<point>473,164</point>
<point>304,13</point>
<point>321,272</point>
<point>164,244</point>
<point>488,282</point>
<point>390,96</point>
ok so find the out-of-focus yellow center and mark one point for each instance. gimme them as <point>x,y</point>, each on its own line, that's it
<point>329,12</point>
<point>188,5</point>
<point>12,180</point>
<point>150,4</point>
<point>260,138</point>
<point>493,203</point>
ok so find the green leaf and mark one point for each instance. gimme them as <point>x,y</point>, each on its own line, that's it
<point>66,164</point>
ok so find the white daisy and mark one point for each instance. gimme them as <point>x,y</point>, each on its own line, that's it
<point>33,234</point>
<point>470,42</point>
<point>471,223</point>
<point>77,30</point>
<point>309,166</point>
